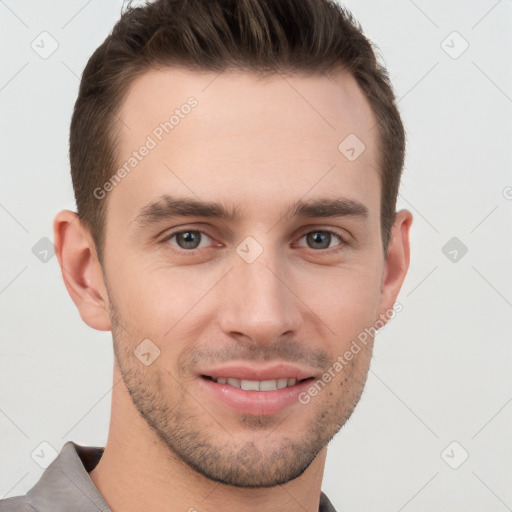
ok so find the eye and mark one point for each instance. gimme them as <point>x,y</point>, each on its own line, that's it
<point>321,239</point>
<point>189,239</point>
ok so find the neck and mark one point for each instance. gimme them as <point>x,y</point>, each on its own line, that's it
<point>138,471</point>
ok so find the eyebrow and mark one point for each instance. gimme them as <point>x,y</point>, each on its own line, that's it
<point>168,207</point>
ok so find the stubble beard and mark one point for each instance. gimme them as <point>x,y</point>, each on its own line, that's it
<point>197,438</point>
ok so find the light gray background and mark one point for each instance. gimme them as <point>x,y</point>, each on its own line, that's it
<point>441,369</point>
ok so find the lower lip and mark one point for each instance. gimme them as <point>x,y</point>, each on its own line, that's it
<point>256,403</point>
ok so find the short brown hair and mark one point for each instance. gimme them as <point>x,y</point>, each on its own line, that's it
<point>265,36</point>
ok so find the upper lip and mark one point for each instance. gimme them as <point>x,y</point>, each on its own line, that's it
<point>246,372</point>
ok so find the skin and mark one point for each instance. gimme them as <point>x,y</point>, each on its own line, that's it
<point>258,144</point>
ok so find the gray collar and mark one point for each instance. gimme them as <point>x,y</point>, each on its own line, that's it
<point>66,485</point>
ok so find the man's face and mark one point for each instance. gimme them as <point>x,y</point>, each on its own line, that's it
<point>272,297</point>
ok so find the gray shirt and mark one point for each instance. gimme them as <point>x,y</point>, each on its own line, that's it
<point>65,486</point>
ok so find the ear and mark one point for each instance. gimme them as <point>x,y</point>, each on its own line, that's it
<point>396,263</point>
<point>81,270</point>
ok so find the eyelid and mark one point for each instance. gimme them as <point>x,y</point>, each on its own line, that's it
<point>339,232</point>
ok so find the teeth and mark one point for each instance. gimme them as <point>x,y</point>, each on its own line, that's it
<point>250,385</point>
<point>257,385</point>
<point>268,385</point>
<point>282,383</point>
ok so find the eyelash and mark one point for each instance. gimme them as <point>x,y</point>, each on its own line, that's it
<point>343,242</point>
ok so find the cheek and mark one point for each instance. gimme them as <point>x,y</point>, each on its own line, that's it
<point>157,301</point>
<point>160,301</point>
<point>345,299</point>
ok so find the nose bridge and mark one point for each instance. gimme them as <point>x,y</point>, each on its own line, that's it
<point>258,303</point>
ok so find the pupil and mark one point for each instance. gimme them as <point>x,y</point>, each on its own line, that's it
<point>320,237</point>
<point>188,238</point>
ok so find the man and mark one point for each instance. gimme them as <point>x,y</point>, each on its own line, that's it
<point>236,166</point>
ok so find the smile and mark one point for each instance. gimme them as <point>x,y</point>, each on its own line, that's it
<point>256,385</point>
<point>257,396</point>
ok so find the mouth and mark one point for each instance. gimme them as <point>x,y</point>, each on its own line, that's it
<point>255,391</point>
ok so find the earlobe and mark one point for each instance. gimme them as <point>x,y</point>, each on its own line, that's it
<point>81,270</point>
<point>397,261</point>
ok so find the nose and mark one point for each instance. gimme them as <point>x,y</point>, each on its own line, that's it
<point>259,305</point>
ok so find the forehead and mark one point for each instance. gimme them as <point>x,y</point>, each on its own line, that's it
<point>237,135</point>
<point>332,103</point>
